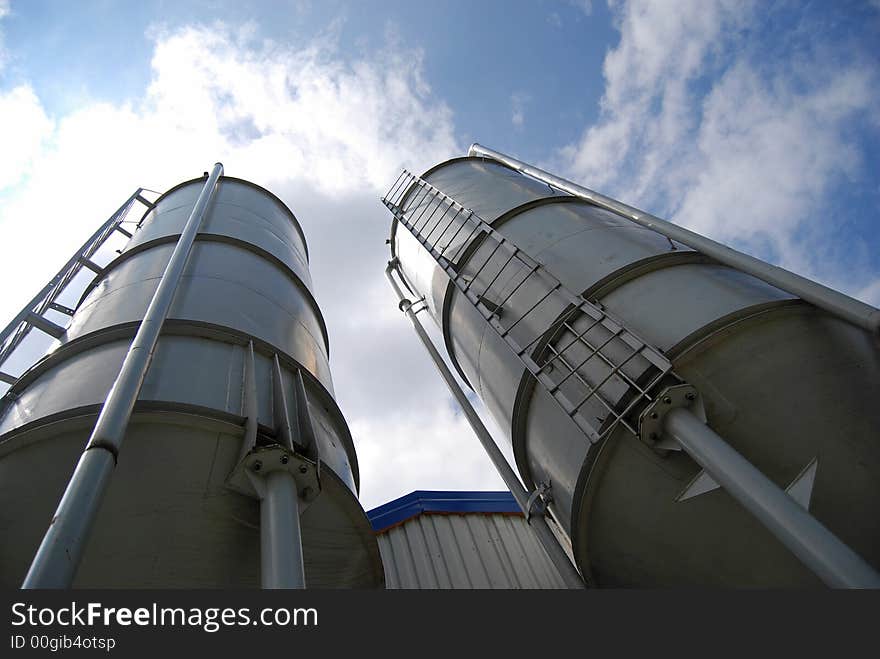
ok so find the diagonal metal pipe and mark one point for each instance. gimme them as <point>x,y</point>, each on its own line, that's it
<point>804,535</point>
<point>59,554</point>
<point>537,521</point>
<point>843,306</point>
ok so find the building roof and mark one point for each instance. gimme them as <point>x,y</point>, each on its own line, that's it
<point>440,502</point>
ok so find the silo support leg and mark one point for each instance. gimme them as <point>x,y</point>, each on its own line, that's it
<point>286,483</point>
<point>819,549</point>
<point>280,538</point>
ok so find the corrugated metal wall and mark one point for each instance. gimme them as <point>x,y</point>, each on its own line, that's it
<point>474,550</point>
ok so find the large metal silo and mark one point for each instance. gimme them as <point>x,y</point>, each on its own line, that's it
<point>234,432</point>
<point>688,414</point>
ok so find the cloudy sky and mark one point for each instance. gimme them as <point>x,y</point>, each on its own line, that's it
<point>758,125</point>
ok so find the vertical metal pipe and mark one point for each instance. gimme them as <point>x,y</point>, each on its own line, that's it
<point>819,549</point>
<point>849,309</point>
<point>537,522</point>
<point>280,538</point>
<point>57,559</point>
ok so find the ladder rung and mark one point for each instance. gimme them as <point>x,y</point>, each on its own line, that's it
<point>45,325</point>
<point>578,336</point>
<point>498,274</point>
<point>517,287</point>
<point>485,263</point>
<point>532,308</point>
<point>446,228</point>
<point>593,352</point>
<point>91,265</point>
<point>533,296</point>
<point>464,245</point>
<point>146,202</point>
<point>393,189</point>
<point>429,203</point>
<point>61,308</point>
<point>8,379</point>
<point>414,205</point>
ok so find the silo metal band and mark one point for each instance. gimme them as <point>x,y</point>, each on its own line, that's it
<point>423,225</point>
<point>59,554</point>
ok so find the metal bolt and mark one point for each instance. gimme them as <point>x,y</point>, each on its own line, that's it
<point>303,469</point>
<point>691,395</point>
<point>284,459</point>
<point>257,466</point>
<point>667,400</point>
<point>654,415</point>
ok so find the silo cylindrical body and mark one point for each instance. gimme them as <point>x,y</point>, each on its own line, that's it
<point>172,516</point>
<point>786,384</point>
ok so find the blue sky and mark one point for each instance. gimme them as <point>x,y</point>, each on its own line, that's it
<point>757,124</point>
<point>476,56</point>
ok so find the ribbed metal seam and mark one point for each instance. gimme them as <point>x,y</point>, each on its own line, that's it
<point>465,551</point>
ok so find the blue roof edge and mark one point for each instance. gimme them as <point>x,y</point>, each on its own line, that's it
<point>432,501</point>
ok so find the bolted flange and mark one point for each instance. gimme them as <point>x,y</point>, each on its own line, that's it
<point>652,417</point>
<point>249,474</point>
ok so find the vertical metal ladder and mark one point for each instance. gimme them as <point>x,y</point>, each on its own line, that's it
<point>449,232</point>
<point>33,314</point>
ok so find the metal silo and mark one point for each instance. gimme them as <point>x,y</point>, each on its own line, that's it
<point>237,465</point>
<point>686,413</point>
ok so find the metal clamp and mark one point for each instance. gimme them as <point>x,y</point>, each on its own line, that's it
<point>538,500</point>
<point>249,474</point>
<point>651,419</point>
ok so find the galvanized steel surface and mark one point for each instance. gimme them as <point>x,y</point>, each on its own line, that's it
<point>471,550</point>
<point>783,382</point>
<point>845,307</point>
<point>246,283</point>
<point>836,564</point>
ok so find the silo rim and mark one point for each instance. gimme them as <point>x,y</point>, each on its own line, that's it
<point>451,161</point>
<point>293,217</point>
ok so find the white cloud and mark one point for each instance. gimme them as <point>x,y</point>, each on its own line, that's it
<point>766,153</point>
<point>325,134</point>
<point>699,125</point>
<point>23,131</point>
<point>437,457</point>
<point>518,104</point>
<point>871,293</point>
<point>271,113</point>
<point>659,54</point>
